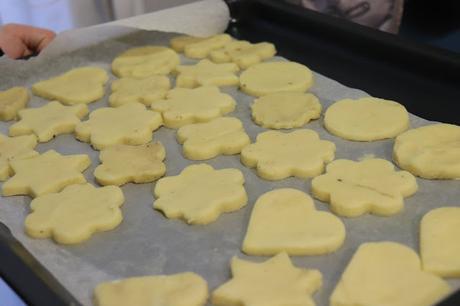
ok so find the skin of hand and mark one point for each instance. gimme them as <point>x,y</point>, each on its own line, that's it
<point>18,40</point>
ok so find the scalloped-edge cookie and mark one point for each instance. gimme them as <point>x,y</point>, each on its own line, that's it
<point>14,148</point>
<point>178,43</point>
<point>207,73</point>
<point>11,101</point>
<point>243,53</point>
<point>201,47</point>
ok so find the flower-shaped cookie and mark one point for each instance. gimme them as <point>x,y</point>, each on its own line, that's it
<point>206,73</point>
<point>199,194</point>
<point>243,53</point>
<point>130,124</point>
<point>277,155</point>
<point>184,106</point>
<point>145,91</point>
<point>355,188</point>
<point>14,148</point>
<point>11,101</point>
<point>75,214</point>
<point>48,121</point>
<point>178,43</point>
<point>224,135</point>
<point>194,47</point>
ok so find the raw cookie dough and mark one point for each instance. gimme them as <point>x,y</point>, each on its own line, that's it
<point>178,43</point>
<point>184,106</point>
<point>266,78</point>
<point>11,101</point>
<point>278,155</point>
<point>76,86</point>
<point>145,91</point>
<point>366,119</point>
<point>223,135</point>
<point>285,110</point>
<point>368,186</point>
<point>48,121</point>
<point>14,148</point>
<point>431,151</point>
<point>45,173</point>
<point>286,220</point>
<point>202,47</point>
<point>199,194</point>
<point>145,61</point>
<point>206,73</point>
<point>122,164</point>
<point>387,273</point>
<point>243,53</point>
<point>274,282</point>
<point>130,124</point>
<point>439,241</point>
<point>182,289</point>
<point>75,214</point>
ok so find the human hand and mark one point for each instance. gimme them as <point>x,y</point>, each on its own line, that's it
<point>18,40</point>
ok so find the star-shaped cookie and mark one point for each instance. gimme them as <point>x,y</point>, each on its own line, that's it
<point>14,148</point>
<point>11,101</point>
<point>48,121</point>
<point>275,282</point>
<point>45,173</point>
<point>243,53</point>
<point>206,73</point>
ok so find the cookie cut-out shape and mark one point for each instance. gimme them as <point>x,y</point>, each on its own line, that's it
<point>145,61</point>
<point>77,86</point>
<point>207,140</point>
<point>14,148</point>
<point>243,53</point>
<point>122,164</point>
<point>366,119</point>
<point>439,241</point>
<point>184,106</point>
<point>45,173</point>
<point>368,186</point>
<point>178,43</point>
<point>285,220</point>
<point>285,110</point>
<point>75,214</point>
<point>11,101</point>
<point>200,194</point>
<point>48,121</point>
<point>431,151</point>
<point>207,73</point>
<point>278,155</point>
<point>274,282</point>
<point>387,273</point>
<point>145,90</point>
<point>182,289</point>
<point>130,124</point>
<point>266,78</point>
<point>202,47</point>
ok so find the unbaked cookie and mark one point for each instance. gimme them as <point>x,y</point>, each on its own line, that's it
<point>277,155</point>
<point>285,220</point>
<point>178,43</point>
<point>243,53</point>
<point>201,47</point>
<point>368,186</point>
<point>431,151</point>
<point>14,148</point>
<point>207,140</point>
<point>266,78</point>
<point>76,86</point>
<point>285,110</point>
<point>206,73</point>
<point>366,119</point>
<point>199,194</point>
<point>11,101</point>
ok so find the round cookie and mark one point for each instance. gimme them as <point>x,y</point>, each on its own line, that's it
<point>366,119</point>
<point>271,77</point>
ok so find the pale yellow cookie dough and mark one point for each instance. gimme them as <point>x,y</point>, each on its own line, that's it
<point>285,110</point>
<point>77,86</point>
<point>75,214</point>
<point>184,106</point>
<point>243,53</point>
<point>278,155</point>
<point>11,101</point>
<point>14,148</point>
<point>122,164</point>
<point>48,121</point>
<point>145,61</point>
<point>45,173</point>
<point>387,273</point>
<point>274,282</point>
<point>366,119</point>
<point>368,186</point>
<point>285,220</point>
<point>200,194</point>
<point>431,151</point>
<point>178,43</point>
<point>207,73</point>
<point>145,90</point>
<point>224,135</point>
<point>440,241</point>
<point>266,78</point>
<point>182,289</point>
<point>130,124</point>
<point>202,47</point>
